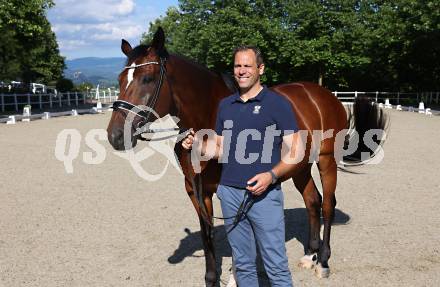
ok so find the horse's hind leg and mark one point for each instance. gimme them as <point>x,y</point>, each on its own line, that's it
<point>328,171</point>
<point>312,199</point>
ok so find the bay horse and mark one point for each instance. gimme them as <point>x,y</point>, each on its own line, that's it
<point>172,84</point>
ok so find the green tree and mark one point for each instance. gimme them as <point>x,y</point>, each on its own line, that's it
<point>345,44</point>
<point>34,47</point>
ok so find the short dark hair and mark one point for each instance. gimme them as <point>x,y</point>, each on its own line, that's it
<point>257,52</point>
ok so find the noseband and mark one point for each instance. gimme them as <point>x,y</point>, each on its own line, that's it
<point>151,104</point>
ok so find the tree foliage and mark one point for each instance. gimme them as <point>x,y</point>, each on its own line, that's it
<point>29,51</point>
<point>362,44</point>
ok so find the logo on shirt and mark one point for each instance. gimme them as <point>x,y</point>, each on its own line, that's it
<point>256,110</point>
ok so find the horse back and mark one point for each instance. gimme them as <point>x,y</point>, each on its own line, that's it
<point>316,108</point>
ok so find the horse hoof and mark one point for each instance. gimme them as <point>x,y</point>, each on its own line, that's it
<point>322,272</point>
<point>308,261</point>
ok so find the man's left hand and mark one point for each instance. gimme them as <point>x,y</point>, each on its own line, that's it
<point>262,181</point>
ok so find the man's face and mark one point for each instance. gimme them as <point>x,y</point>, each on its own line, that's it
<point>246,72</point>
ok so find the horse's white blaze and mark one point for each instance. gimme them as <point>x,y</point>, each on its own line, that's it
<point>130,74</point>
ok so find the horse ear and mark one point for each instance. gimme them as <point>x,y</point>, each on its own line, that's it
<point>126,47</point>
<point>158,42</point>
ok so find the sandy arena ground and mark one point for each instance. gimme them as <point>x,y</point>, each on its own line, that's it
<point>103,225</point>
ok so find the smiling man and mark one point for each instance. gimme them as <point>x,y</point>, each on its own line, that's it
<point>250,174</point>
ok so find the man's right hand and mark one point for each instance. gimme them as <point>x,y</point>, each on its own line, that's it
<point>188,141</point>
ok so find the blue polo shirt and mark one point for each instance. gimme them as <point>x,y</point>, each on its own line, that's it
<point>252,134</point>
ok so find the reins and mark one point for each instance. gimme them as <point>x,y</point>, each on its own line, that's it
<point>248,199</point>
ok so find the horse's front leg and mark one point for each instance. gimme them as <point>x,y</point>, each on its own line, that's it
<point>207,235</point>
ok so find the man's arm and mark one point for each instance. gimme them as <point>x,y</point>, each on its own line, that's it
<point>207,148</point>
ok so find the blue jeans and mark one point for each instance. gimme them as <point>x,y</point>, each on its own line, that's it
<point>263,226</point>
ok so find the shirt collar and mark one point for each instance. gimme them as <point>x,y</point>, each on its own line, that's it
<point>258,97</point>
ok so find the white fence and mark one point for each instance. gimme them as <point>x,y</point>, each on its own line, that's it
<point>104,95</point>
<point>396,98</point>
<point>16,102</point>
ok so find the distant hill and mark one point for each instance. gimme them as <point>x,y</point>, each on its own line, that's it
<point>103,71</point>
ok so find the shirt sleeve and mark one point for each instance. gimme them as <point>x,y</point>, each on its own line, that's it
<point>219,120</point>
<point>285,117</point>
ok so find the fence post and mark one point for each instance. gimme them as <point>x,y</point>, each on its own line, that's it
<point>29,99</point>
<point>84,97</point>
<point>398,97</point>
<point>39,99</point>
<point>68,99</point>
<point>3,102</point>
<point>377,95</point>
<point>430,97</point>
<point>103,100</point>
<point>355,95</point>
<point>76,98</point>
<point>16,102</point>
<point>436,99</point>
<point>59,99</point>
<point>50,101</point>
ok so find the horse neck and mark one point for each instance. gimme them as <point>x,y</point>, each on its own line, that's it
<point>197,92</point>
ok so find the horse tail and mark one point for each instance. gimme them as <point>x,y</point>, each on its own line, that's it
<point>367,125</point>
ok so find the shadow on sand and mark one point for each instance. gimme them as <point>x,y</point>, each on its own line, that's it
<point>296,227</point>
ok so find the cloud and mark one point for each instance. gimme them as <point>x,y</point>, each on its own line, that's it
<point>95,28</point>
<point>92,10</point>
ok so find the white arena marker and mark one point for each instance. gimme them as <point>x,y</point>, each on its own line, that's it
<point>411,109</point>
<point>98,107</point>
<point>399,107</point>
<point>11,120</point>
<point>26,114</point>
<point>428,112</point>
<point>74,113</point>
<point>387,104</point>
<point>46,115</point>
<point>421,108</point>
<point>380,105</point>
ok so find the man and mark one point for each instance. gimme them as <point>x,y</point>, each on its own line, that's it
<point>257,112</point>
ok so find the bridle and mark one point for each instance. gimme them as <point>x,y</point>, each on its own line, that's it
<point>141,128</point>
<point>145,113</point>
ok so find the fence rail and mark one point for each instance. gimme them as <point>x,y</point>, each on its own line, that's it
<point>396,98</point>
<point>16,102</point>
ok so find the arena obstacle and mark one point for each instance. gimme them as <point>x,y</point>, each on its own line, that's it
<point>428,112</point>
<point>26,114</point>
<point>399,108</point>
<point>98,107</point>
<point>387,104</point>
<point>11,120</point>
<point>421,108</point>
<point>46,116</point>
<point>74,113</point>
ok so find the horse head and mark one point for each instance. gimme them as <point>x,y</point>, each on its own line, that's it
<point>142,83</point>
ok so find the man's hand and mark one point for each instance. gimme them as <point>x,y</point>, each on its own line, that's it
<point>188,141</point>
<point>262,181</point>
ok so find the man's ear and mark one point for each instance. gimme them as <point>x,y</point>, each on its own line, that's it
<point>261,69</point>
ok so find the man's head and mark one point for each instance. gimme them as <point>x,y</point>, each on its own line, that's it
<point>248,67</point>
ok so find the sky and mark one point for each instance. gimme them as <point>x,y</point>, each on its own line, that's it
<point>94,28</point>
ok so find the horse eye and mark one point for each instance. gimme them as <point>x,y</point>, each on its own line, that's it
<point>147,79</point>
